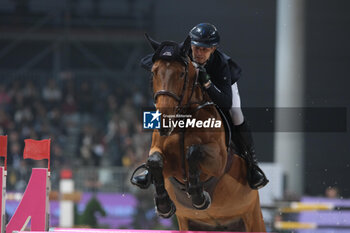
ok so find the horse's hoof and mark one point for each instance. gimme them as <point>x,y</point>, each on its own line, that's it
<point>206,203</point>
<point>170,213</point>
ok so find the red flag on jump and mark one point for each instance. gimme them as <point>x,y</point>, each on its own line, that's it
<point>3,146</point>
<point>37,150</point>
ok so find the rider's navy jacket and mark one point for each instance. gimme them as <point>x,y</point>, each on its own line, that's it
<point>223,72</point>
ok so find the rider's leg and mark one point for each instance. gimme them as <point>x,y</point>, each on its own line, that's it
<point>236,111</point>
<point>243,140</point>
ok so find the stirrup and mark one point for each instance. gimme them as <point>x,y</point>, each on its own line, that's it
<point>149,180</point>
<point>251,165</point>
<point>264,181</point>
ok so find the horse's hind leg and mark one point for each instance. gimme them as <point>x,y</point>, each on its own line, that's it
<point>164,206</point>
<point>200,198</point>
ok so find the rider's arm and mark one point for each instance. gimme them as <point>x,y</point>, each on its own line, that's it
<point>220,89</point>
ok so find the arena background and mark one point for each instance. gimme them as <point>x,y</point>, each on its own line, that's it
<point>101,42</point>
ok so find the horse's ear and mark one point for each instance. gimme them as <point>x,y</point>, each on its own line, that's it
<point>153,43</point>
<point>185,46</point>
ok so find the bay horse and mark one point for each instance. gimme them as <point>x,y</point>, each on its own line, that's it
<point>193,170</point>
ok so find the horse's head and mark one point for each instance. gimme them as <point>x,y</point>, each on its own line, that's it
<point>173,76</point>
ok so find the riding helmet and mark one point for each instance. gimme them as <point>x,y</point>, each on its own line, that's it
<point>205,35</point>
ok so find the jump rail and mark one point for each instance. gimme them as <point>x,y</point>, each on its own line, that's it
<point>295,207</point>
<point>78,230</point>
<point>286,225</point>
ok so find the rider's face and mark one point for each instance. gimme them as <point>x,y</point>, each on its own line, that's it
<point>201,54</point>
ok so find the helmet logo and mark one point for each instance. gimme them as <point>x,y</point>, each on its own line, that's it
<point>167,53</point>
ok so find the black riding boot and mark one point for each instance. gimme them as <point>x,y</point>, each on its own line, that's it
<point>243,140</point>
<point>143,179</point>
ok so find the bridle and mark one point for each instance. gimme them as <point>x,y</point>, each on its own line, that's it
<point>179,98</point>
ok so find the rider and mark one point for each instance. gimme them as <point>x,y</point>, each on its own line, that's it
<point>218,74</point>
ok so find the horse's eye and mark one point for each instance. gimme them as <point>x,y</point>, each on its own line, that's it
<point>182,74</point>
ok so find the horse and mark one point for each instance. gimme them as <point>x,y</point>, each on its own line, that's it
<point>195,174</point>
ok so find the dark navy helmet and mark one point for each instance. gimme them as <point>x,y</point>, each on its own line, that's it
<point>204,35</point>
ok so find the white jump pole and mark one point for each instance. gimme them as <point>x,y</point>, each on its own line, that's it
<point>66,186</point>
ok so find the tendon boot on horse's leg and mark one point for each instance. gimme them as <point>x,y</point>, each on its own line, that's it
<point>200,198</point>
<point>142,180</point>
<point>242,138</point>
<point>164,205</point>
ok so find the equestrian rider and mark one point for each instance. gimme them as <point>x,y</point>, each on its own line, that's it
<point>218,74</point>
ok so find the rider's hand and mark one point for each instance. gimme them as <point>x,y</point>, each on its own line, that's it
<point>203,76</point>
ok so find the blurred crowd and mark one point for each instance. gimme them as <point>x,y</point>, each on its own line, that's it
<point>90,123</point>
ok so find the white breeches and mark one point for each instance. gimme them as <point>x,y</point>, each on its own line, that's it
<point>236,111</point>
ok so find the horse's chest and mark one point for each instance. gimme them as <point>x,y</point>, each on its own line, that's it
<point>172,155</point>
<point>172,149</point>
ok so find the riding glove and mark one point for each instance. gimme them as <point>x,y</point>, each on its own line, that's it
<point>203,76</point>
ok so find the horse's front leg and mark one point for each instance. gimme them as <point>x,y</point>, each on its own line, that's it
<point>164,205</point>
<point>200,198</point>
